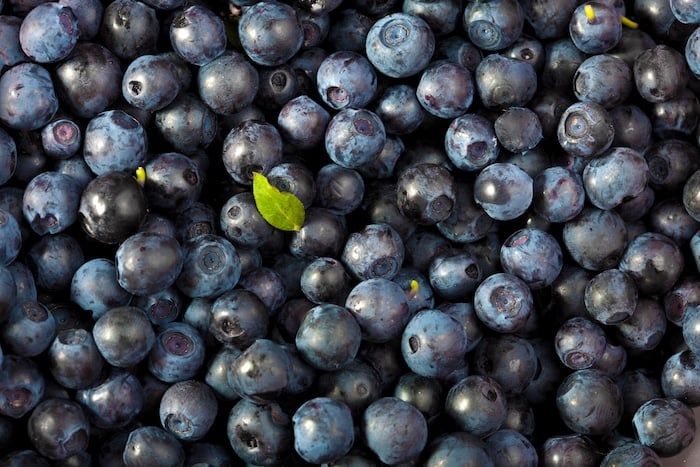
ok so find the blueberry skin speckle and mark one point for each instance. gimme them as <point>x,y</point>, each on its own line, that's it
<point>49,33</point>
<point>28,100</point>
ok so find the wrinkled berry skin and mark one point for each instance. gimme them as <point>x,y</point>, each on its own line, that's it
<point>267,45</point>
<point>394,430</point>
<point>631,453</point>
<point>124,336</point>
<point>148,263</point>
<point>375,251</point>
<point>617,175</point>
<point>477,404</point>
<point>400,45</point>
<point>188,410</point>
<point>27,97</point>
<point>666,425</point>
<point>50,202</point>
<point>58,428</point>
<point>533,255</point>
<point>503,190</point>
<point>260,434</point>
<point>323,430</point>
<point>589,402</point>
<point>49,32</point>
<point>493,25</point>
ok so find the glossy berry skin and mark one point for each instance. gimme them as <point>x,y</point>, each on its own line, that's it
<point>325,280</point>
<point>259,434</point>
<point>510,360</point>
<point>425,193</point>
<point>211,267</point>
<point>427,355</point>
<point>58,428</point>
<point>251,146</point>
<point>513,446</point>
<point>394,430</point>
<point>503,190</point>
<point>49,32</point>
<point>503,302</point>
<point>494,25</point>
<point>187,123</point>
<point>22,386</point>
<point>471,143</point>
<point>603,79</point>
<point>129,28</point>
<point>518,129</point>
<point>632,127</point>
<point>323,430</point>
<point>11,52</point>
<point>690,327</point>
<point>113,402</point>
<point>660,73</point>
<point>691,195</point>
<point>29,330</point>
<point>570,449</point>
<point>266,46</point>
<point>197,35</point>
<point>242,224</point>
<point>266,284</point>
<point>276,86</point>
<point>467,222</point>
<point>580,343</point>
<point>589,402</point>
<point>580,236</point>
<point>302,122</point>
<point>188,410</point>
<point>657,249</point>
<point>503,82</point>
<point>8,293</point>
<point>585,129</point>
<point>610,296</point>
<point>611,166</point>
<point>28,100</point>
<point>339,188</point>
<point>261,372</point>
<point>154,446</point>
<point>400,45</point>
<point>114,140</point>
<point>666,425</point>
<point>533,255</point>
<point>329,337</point>
<point>346,79</point>
<point>558,194</point>
<point>61,138</point>
<point>354,137</point>
<point>50,202</point>
<point>645,329</point>
<point>124,336</point>
<point>455,274</point>
<point>151,82</point>
<point>477,404</point>
<point>95,289</point>
<point>148,263</point>
<point>322,234</point>
<point>223,95</point>
<point>173,182</point>
<point>400,110</point>
<point>445,89</point>
<point>357,385</point>
<point>11,236</point>
<point>680,376</point>
<point>598,35</point>
<point>375,251</point>
<point>177,354</point>
<point>457,448</point>
<point>631,452</point>
<point>76,362</point>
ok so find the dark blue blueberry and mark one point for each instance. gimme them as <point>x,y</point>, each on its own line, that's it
<point>129,28</point>
<point>597,35</point>
<point>632,128</point>
<point>380,206</point>
<point>328,337</point>
<point>375,251</point>
<point>534,256</point>
<point>224,95</point>
<point>457,448</point>
<point>394,430</point>
<point>610,296</point>
<point>114,141</point>
<point>570,449</point>
<point>630,453</point>
<point>315,26</point>
<point>354,137</point>
<point>50,202</point>
<point>654,261</point>
<point>54,260</point>
<point>455,274</point>
<point>425,393</point>
<point>295,178</point>
<point>61,138</point>
<point>24,282</point>
<point>562,59</point>
<point>148,263</point>
<point>325,280</point>
<point>261,372</point>
<point>660,73</point>
<point>58,428</point>
<point>494,25</point>
<point>8,156</point>
<point>238,317</point>
<point>357,385</point>
<point>446,89</point>
<point>151,82</point>
<point>300,376</point>
<point>323,430</point>
<point>581,238</point>
<point>645,329</point>
<point>399,109</point>
<point>8,292</point>
<point>503,82</point>
<point>558,194</point>
<point>187,123</point>
<point>264,44</point>
<point>512,447</point>
<point>173,182</point>
<point>199,219</point>
<point>383,166</point>
<point>322,235</point>
<point>252,146</point>
<point>528,49</point>
<point>266,284</point>
<point>260,434</point>
<point>208,453</point>
<point>680,377</point>
<point>302,122</point>
<point>691,327</point>
<point>443,16</point>
<point>589,402</point>
<point>477,405</point>
<point>276,86</point>
<point>503,190</point>
<point>11,52</point>
<point>464,313</point>
<point>400,45</point>
<point>211,267</point>
<point>29,330</point>
<point>339,188</point>
<point>380,307</point>
<point>457,49</point>
<point>349,29</point>
<point>216,375</point>
<point>625,172</point>
<point>669,162</point>
<point>11,236</point>
<point>419,296</point>
<point>113,402</point>
<point>88,14</point>
<point>666,425</point>
<point>422,246</point>
<point>177,354</point>
<point>509,360</point>
<point>153,446</point>
<point>603,79</point>
<point>585,129</point>
<point>242,223</point>
<point>22,386</point>
<point>518,129</point>
<point>124,336</point>
<point>161,307</point>
<point>49,32</point>
<point>346,79</point>
<point>580,343</point>
<point>94,287</point>
<point>669,217</point>
<point>197,35</point>
<point>425,193</point>
<point>503,302</point>
<point>682,297</point>
<point>24,458</point>
<point>188,410</point>
<point>75,361</point>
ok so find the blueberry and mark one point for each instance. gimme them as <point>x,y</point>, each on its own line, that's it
<point>177,354</point>
<point>471,143</point>
<point>302,122</point>
<point>550,18</point>
<point>494,25</point>
<point>346,79</point>
<point>477,405</point>
<point>216,375</point>
<point>679,377</point>
<point>188,410</point>
<point>221,94</point>
<point>570,449</point>
<point>597,35</point>
<point>631,452</point>
<point>645,329</point>
<point>11,237</point>
<point>260,433</point>
<point>518,129</point>
<point>357,385</point>
<point>27,97</point>
<point>339,188</point>
<point>502,82</point>
<point>603,79</point>
<point>581,236</point>
<point>657,249</point>
<point>513,446</point>
<point>459,448</point>
<point>153,446</point>
<point>148,263</point>
<point>509,360</point>
<point>394,430</point>
<point>350,28</point>
<point>454,275</point>
<point>354,137</point>
<point>113,402</point>
<point>75,361</point>
<point>400,45</point>
<point>692,52</point>
<point>534,256</point>
<point>323,430</point>
<point>203,24</point>
<point>251,147</point>
<point>666,425</point>
<point>61,138</point>
<point>660,73</point>
<point>632,128</point>
<point>49,32</point>
<point>322,235</point>
<point>58,428</point>
<point>187,123</point>
<point>611,296</point>
<point>29,330</point>
<point>129,28</point>
<point>261,372</point>
<point>270,46</point>
<point>325,280</point>
<point>211,267</point>
<point>446,89</point>
<point>458,49</point>
<point>124,336</point>
<point>151,82</point>
<point>558,194</point>
<point>585,129</point>
<point>238,317</point>
<point>503,190</point>
<point>22,386</point>
<point>375,251</point>
<point>589,402</point>
<point>12,52</point>
<point>94,287</point>
<point>503,302</point>
<point>425,193</point>
<point>580,343</point>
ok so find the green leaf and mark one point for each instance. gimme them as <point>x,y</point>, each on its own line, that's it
<point>280,209</point>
